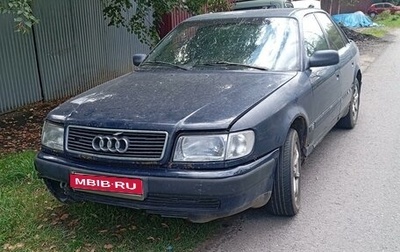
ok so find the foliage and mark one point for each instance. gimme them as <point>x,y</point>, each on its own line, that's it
<point>32,220</point>
<point>22,12</point>
<point>196,7</point>
<point>389,20</point>
<point>386,22</point>
<point>384,15</point>
<point>135,17</point>
<point>141,17</point>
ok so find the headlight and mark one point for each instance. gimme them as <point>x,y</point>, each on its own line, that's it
<point>202,148</point>
<point>240,144</point>
<point>53,136</point>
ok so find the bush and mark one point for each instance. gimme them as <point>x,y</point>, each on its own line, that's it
<point>384,15</point>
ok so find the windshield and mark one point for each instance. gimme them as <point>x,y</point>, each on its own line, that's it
<point>259,42</point>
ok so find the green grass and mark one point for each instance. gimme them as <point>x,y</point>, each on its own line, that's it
<point>391,21</point>
<point>31,220</point>
<point>386,21</point>
<point>379,32</point>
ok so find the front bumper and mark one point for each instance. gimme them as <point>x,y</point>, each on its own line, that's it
<point>198,196</point>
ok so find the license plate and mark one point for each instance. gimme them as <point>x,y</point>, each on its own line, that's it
<point>132,186</point>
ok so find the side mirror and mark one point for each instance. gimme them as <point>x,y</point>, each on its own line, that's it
<point>138,59</point>
<point>324,58</point>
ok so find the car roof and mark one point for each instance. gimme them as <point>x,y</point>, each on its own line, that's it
<point>382,3</point>
<point>255,4</point>
<point>259,13</point>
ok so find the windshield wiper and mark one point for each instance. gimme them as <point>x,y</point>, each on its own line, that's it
<point>227,63</point>
<point>157,62</point>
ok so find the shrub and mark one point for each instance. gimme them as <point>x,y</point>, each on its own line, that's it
<point>384,15</point>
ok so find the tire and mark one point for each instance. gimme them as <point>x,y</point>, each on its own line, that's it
<point>372,15</point>
<point>349,121</point>
<point>285,198</point>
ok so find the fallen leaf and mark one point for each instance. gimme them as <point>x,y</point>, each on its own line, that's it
<point>108,246</point>
<point>73,223</point>
<point>64,216</point>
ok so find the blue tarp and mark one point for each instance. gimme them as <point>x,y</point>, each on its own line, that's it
<point>356,19</point>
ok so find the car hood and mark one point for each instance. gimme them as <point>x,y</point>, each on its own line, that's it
<point>151,100</point>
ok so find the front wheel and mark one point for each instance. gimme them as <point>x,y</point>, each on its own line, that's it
<point>285,199</point>
<point>350,119</point>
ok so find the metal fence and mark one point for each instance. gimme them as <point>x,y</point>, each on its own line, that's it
<point>71,50</point>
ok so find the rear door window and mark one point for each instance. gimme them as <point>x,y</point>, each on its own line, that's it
<point>314,38</point>
<point>335,37</point>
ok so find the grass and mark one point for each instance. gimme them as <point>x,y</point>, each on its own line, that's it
<point>31,220</point>
<point>386,21</point>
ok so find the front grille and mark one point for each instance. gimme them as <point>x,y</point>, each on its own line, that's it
<point>165,203</point>
<point>143,145</point>
<point>182,202</point>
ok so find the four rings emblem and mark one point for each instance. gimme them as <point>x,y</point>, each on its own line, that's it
<point>110,144</point>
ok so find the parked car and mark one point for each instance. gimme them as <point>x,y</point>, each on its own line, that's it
<point>218,118</point>
<point>378,8</point>
<point>261,4</point>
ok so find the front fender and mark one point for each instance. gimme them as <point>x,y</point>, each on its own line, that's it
<point>274,116</point>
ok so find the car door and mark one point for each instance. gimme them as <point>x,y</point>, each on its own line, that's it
<point>390,7</point>
<point>337,41</point>
<point>324,81</point>
<point>380,8</point>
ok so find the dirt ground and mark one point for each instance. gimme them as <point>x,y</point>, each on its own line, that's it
<point>20,130</point>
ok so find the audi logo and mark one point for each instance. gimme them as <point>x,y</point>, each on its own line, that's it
<point>110,144</point>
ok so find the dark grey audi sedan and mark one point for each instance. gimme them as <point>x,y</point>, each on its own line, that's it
<point>218,118</point>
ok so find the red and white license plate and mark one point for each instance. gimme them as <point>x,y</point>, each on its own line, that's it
<point>132,186</point>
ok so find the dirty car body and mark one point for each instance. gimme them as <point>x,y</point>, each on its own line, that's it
<point>218,118</point>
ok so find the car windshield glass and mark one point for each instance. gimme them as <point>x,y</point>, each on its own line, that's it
<point>262,43</point>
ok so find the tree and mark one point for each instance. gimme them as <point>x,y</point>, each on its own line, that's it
<point>131,14</point>
<point>115,11</point>
<point>22,12</point>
